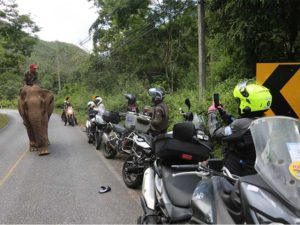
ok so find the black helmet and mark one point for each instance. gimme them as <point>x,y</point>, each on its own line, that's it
<point>157,94</point>
<point>131,98</point>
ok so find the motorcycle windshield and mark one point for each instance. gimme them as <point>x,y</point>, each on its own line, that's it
<point>277,145</point>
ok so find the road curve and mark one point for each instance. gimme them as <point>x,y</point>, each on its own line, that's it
<point>61,187</point>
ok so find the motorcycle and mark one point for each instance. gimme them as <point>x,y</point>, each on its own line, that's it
<point>94,128</point>
<point>269,197</point>
<point>141,157</point>
<point>166,199</point>
<point>88,127</point>
<point>120,139</point>
<point>70,116</point>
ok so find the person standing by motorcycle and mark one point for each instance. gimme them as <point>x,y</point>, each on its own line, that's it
<point>99,105</point>
<point>160,113</point>
<point>238,147</point>
<point>131,103</point>
<point>66,103</point>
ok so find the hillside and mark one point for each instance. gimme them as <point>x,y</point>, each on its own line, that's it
<point>57,59</point>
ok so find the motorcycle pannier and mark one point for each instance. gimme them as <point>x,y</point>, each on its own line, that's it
<point>142,123</point>
<point>180,147</point>
<point>137,122</point>
<point>111,117</point>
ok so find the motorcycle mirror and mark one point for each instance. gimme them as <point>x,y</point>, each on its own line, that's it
<point>187,103</point>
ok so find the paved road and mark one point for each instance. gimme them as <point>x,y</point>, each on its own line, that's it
<point>61,187</point>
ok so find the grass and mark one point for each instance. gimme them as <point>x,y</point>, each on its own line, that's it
<point>3,120</point>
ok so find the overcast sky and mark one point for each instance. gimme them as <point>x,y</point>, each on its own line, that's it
<point>61,20</point>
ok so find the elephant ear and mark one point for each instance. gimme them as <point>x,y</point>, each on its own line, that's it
<point>22,102</point>
<point>49,101</point>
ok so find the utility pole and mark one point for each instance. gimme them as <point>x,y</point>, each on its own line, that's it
<point>58,70</point>
<point>201,49</point>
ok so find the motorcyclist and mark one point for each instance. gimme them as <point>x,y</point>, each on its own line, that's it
<point>239,152</point>
<point>131,103</point>
<point>96,108</point>
<point>160,114</point>
<point>91,107</point>
<point>66,103</point>
<point>99,105</point>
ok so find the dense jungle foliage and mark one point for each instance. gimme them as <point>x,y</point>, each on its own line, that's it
<point>139,44</point>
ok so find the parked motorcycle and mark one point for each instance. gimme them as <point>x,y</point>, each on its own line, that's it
<point>120,139</point>
<point>269,197</point>
<point>140,158</point>
<point>143,156</point>
<point>166,199</point>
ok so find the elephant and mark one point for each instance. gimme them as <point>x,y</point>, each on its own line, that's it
<point>35,106</point>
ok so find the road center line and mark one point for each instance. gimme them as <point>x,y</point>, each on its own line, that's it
<point>9,173</point>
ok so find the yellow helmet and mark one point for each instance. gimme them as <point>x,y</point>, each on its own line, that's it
<point>252,98</point>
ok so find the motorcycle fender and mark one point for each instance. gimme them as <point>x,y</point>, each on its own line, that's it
<point>202,202</point>
<point>148,190</point>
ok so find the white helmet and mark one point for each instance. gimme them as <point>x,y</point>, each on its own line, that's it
<point>98,100</point>
<point>91,104</point>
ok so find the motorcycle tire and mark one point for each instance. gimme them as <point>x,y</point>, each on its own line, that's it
<point>71,121</point>
<point>148,220</point>
<point>98,139</point>
<point>109,152</point>
<point>131,179</point>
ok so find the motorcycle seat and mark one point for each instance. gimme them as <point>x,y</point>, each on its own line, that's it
<point>119,128</point>
<point>179,189</point>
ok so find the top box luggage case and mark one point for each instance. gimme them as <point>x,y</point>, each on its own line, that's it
<point>180,147</point>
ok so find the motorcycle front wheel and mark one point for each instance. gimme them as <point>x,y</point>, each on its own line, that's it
<point>98,138</point>
<point>109,152</point>
<point>147,220</point>
<point>132,176</point>
<point>71,121</point>
<point>89,135</point>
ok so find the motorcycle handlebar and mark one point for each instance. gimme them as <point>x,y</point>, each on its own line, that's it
<point>203,171</point>
<point>193,166</point>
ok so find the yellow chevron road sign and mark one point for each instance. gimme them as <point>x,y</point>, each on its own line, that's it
<point>283,80</point>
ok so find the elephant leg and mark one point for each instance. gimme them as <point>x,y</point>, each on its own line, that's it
<point>46,131</point>
<point>43,151</point>
<point>44,142</point>
<point>32,141</point>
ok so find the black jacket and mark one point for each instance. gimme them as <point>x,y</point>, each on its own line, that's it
<point>235,136</point>
<point>30,78</point>
<point>160,118</point>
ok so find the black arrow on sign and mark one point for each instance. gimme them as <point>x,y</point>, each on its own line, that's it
<point>276,81</point>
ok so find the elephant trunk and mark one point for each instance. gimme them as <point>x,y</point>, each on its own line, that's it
<point>39,131</point>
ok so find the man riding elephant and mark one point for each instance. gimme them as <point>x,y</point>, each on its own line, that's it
<point>31,76</point>
<point>35,106</point>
